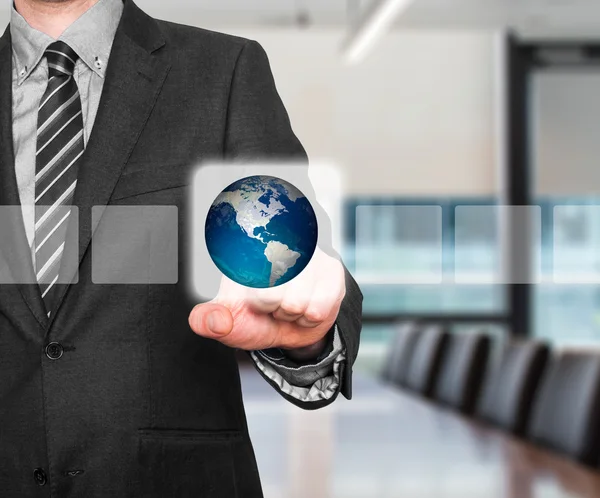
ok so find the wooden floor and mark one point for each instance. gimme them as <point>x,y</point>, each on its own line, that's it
<point>390,444</point>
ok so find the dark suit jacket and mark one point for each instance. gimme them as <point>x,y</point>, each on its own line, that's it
<point>138,405</point>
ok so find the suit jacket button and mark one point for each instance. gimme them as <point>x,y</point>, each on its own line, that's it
<point>40,477</point>
<point>54,350</point>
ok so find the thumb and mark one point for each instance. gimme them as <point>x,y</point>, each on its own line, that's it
<point>211,320</point>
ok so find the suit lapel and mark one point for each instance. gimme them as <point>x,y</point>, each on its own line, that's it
<point>13,242</point>
<point>135,75</point>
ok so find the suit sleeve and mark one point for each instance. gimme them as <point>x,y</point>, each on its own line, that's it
<point>258,129</point>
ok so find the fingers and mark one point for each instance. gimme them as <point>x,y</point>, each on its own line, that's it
<point>292,315</point>
<point>295,300</point>
<point>230,292</point>
<point>265,300</point>
<point>325,300</point>
<point>211,320</point>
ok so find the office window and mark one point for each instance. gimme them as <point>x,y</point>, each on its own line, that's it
<point>567,304</point>
<point>565,113</point>
<point>406,266</point>
<point>421,234</point>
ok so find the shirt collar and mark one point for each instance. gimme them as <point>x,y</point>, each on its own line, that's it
<point>90,36</point>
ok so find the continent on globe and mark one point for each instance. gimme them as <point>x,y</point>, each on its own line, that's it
<point>261,231</point>
<point>281,257</point>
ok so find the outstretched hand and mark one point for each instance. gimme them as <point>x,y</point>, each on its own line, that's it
<point>295,316</point>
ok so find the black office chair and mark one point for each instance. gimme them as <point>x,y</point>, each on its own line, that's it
<point>510,387</point>
<point>462,371</point>
<point>566,412</point>
<point>424,365</point>
<point>396,363</point>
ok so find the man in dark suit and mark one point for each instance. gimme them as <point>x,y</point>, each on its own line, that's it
<point>104,389</point>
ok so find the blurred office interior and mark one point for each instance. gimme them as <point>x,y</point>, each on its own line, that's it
<point>466,134</point>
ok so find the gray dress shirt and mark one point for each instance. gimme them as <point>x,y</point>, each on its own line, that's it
<point>91,37</point>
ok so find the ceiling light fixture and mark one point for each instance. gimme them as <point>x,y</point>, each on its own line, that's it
<point>371,26</point>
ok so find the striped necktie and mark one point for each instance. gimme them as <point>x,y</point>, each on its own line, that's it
<point>60,145</point>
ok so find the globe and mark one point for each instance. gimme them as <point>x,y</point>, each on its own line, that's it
<point>261,231</point>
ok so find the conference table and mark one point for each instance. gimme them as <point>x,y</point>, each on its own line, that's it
<point>390,443</point>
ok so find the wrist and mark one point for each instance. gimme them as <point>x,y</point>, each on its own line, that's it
<point>312,351</point>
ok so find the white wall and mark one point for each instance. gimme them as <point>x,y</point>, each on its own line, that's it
<point>4,16</point>
<point>415,118</point>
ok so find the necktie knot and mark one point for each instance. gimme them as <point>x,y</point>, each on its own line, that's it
<point>61,59</point>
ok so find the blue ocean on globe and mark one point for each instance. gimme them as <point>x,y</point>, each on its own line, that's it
<point>261,231</point>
